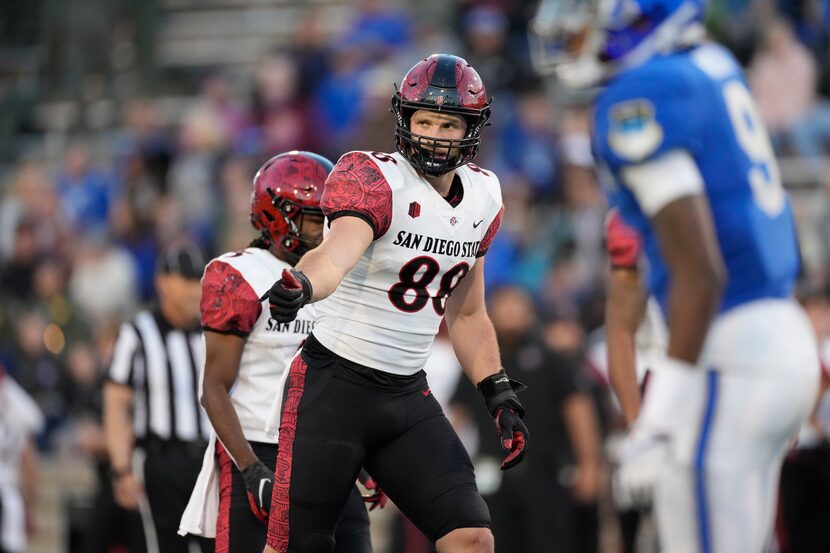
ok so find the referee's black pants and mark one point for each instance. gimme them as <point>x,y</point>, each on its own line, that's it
<point>108,523</point>
<point>533,512</point>
<point>170,472</point>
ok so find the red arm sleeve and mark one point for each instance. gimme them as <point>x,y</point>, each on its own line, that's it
<point>358,188</point>
<point>622,242</point>
<point>490,235</point>
<point>229,304</point>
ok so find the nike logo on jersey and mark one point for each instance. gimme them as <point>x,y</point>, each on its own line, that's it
<point>475,225</point>
<point>425,392</point>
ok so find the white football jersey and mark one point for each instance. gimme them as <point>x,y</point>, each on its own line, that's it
<point>20,419</point>
<point>386,311</point>
<point>231,288</point>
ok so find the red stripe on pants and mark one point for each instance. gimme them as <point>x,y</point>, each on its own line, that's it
<point>224,517</point>
<point>278,528</point>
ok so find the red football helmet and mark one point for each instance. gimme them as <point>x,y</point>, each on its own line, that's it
<point>447,84</point>
<point>288,187</point>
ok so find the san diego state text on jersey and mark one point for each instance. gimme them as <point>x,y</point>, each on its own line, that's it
<point>429,244</point>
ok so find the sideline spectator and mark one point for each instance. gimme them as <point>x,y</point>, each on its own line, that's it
<point>783,77</point>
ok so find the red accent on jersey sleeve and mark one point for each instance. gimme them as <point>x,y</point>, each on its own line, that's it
<point>622,242</point>
<point>357,187</point>
<point>490,235</point>
<point>229,304</point>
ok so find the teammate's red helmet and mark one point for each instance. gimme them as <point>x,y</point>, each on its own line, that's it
<point>446,84</point>
<point>288,187</point>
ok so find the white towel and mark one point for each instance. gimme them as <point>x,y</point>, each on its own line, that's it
<point>20,409</point>
<point>199,517</point>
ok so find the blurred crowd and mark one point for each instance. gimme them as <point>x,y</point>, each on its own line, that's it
<point>79,234</point>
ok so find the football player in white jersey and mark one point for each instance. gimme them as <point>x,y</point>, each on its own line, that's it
<point>247,351</point>
<point>407,235</point>
<point>20,421</point>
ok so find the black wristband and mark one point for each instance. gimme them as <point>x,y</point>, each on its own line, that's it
<point>304,282</point>
<point>499,391</point>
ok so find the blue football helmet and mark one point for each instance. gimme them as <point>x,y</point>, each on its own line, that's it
<point>583,42</point>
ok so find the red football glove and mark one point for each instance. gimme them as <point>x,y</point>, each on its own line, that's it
<point>375,499</point>
<point>499,393</point>
<point>512,434</point>
<point>623,242</point>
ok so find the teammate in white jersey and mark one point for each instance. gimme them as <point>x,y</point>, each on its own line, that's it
<point>247,352</point>
<point>20,421</point>
<point>405,246</point>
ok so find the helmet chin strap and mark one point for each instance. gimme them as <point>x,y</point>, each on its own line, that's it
<point>438,172</point>
<point>294,247</point>
<point>443,169</point>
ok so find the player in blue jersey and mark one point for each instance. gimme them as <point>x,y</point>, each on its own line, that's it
<point>690,167</point>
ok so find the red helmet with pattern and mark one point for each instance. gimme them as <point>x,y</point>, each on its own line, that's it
<point>446,84</point>
<point>287,188</point>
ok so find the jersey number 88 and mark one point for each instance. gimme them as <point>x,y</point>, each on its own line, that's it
<point>410,293</point>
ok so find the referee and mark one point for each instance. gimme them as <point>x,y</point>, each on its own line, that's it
<point>156,431</point>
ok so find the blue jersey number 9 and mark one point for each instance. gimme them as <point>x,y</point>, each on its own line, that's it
<point>763,176</point>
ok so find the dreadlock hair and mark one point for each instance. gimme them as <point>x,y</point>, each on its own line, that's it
<point>261,242</point>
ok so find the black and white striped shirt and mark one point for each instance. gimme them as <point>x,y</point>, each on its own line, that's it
<point>161,364</point>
